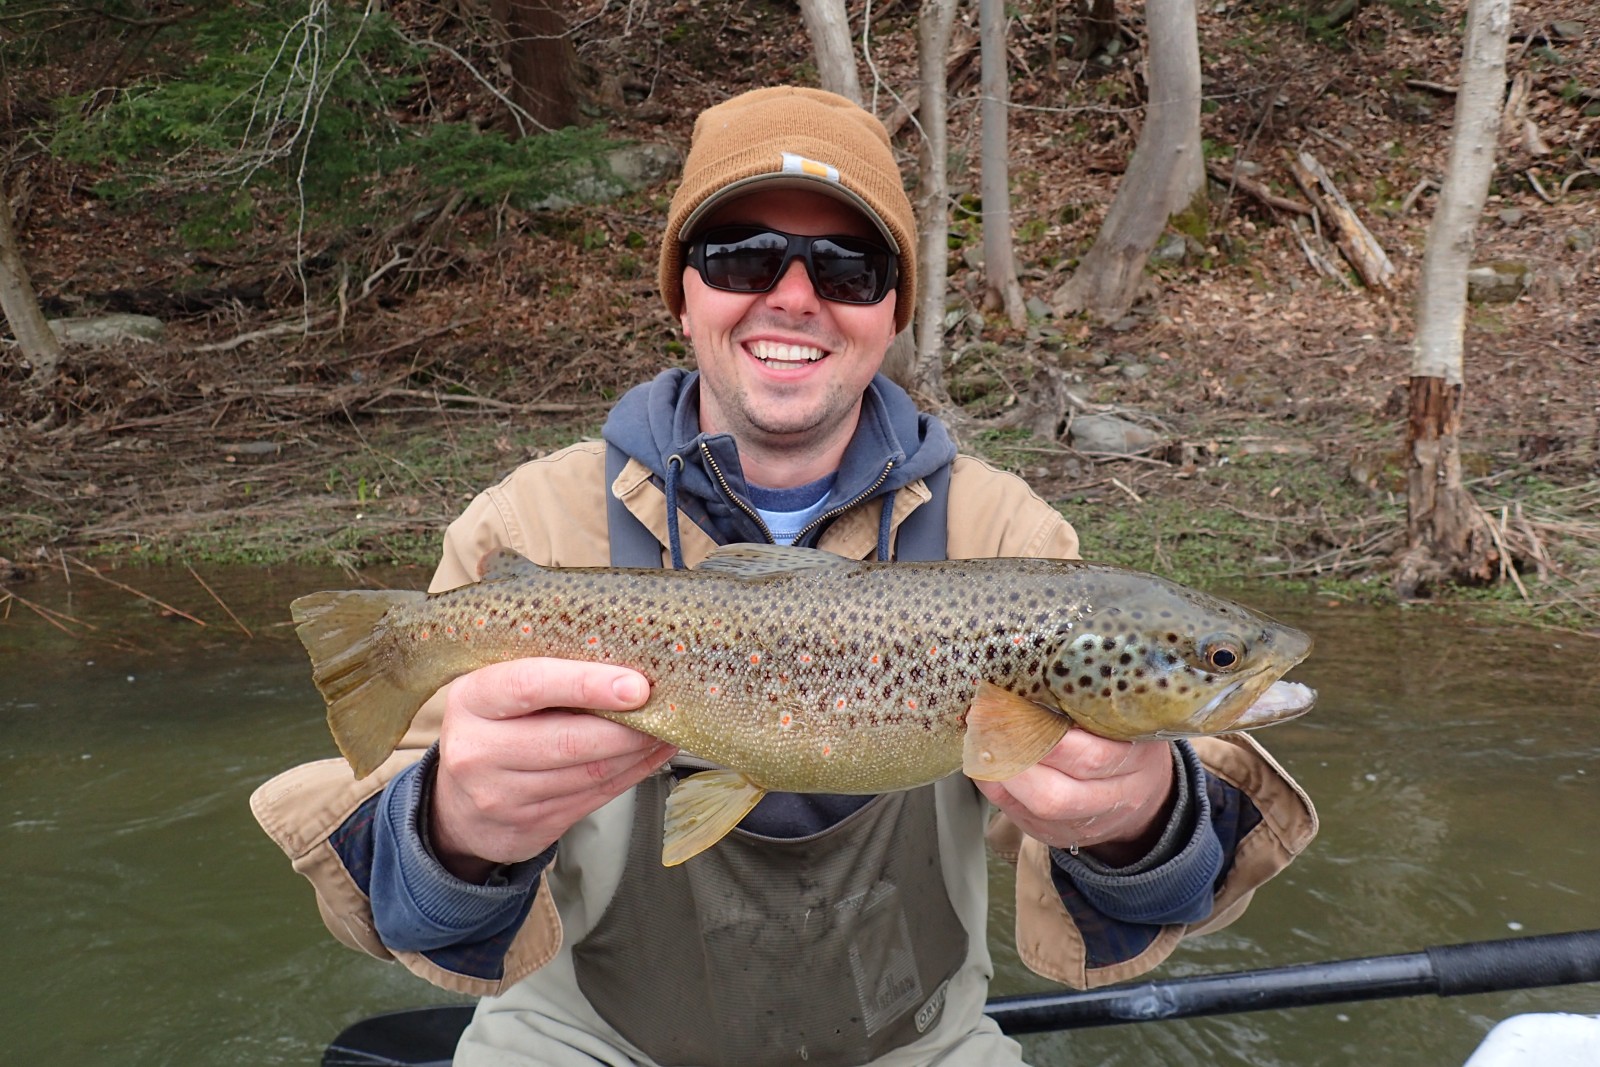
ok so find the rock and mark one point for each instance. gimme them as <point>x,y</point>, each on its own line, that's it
<point>1038,309</point>
<point>1134,371</point>
<point>619,172</point>
<point>1511,216</point>
<point>1567,30</point>
<point>1173,248</point>
<point>1497,283</point>
<point>95,330</point>
<point>1112,435</point>
<point>1581,241</point>
<point>1410,106</point>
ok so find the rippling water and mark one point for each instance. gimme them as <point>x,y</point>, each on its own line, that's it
<point>1456,769</point>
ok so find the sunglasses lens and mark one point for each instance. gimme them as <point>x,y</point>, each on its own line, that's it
<point>855,272</point>
<point>743,261</point>
<point>746,260</point>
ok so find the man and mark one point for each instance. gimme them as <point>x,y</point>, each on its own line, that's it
<point>511,848</point>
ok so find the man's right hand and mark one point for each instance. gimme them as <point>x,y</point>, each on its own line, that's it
<point>516,769</point>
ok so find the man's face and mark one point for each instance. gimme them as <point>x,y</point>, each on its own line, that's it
<point>785,369</point>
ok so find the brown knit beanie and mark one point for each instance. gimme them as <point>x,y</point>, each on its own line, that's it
<point>791,137</point>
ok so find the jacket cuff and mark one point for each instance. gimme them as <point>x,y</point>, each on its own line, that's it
<point>417,904</point>
<point>1175,882</point>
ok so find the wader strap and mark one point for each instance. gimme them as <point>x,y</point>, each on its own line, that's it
<point>632,543</point>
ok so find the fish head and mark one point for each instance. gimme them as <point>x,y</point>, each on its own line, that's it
<point>1158,660</point>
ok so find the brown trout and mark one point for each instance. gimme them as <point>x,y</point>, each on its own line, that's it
<point>801,671</point>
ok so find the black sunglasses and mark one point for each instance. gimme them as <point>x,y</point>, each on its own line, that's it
<point>750,259</point>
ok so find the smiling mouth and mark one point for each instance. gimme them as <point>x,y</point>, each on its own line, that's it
<point>773,354</point>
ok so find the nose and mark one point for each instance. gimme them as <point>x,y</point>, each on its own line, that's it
<point>794,292</point>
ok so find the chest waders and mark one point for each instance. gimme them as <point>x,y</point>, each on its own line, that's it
<point>834,948</point>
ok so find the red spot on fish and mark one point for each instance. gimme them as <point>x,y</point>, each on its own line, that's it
<point>423,635</point>
<point>712,690</point>
<point>827,750</point>
<point>1016,640</point>
<point>449,629</point>
<point>912,704</point>
<point>839,703</point>
<point>934,651</point>
<point>786,720</point>
<point>805,657</point>
<point>639,619</point>
<point>478,623</point>
<point>755,657</point>
<point>876,658</point>
<point>594,640</point>
<point>679,647</point>
<point>527,629</point>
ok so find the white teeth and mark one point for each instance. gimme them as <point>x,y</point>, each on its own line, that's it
<point>772,352</point>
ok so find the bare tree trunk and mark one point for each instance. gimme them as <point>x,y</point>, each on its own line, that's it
<point>1445,535</point>
<point>1165,176</point>
<point>21,304</point>
<point>1001,288</point>
<point>1096,26</point>
<point>542,61</point>
<point>933,197</point>
<point>829,26</point>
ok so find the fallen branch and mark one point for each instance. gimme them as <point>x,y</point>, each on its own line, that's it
<point>130,589</point>
<point>302,326</point>
<point>1416,191</point>
<point>49,615</point>
<point>1318,261</point>
<point>1360,248</point>
<point>1233,179</point>
<point>219,601</point>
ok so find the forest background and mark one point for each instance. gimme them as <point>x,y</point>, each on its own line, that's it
<point>351,276</point>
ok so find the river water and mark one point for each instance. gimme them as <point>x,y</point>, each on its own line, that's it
<point>1456,768</point>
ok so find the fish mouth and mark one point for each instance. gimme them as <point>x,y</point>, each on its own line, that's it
<point>1253,702</point>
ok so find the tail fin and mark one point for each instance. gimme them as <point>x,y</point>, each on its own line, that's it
<point>369,708</point>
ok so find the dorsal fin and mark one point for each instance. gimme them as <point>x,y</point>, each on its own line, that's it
<point>769,561</point>
<point>502,563</point>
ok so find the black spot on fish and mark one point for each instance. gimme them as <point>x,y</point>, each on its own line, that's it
<point>1086,681</point>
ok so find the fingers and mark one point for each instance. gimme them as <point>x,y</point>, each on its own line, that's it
<point>521,686</point>
<point>1088,791</point>
<point>1087,757</point>
<point>517,768</point>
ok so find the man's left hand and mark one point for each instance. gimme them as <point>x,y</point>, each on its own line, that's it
<point>1111,798</point>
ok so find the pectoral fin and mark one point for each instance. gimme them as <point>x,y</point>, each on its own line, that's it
<point>701,811</point>
<point>1007,734</point>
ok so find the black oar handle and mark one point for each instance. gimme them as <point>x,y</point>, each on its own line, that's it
<point>1517,963</point>
<point>1450,970</point>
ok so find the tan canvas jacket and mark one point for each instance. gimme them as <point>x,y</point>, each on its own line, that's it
<point>552,511</point>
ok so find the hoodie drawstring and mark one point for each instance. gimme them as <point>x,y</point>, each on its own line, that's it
<point>674,545</point>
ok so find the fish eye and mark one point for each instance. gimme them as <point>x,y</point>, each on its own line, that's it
<point>1222,652</point>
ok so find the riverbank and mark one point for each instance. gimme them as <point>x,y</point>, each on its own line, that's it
<point>1268,398</point>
